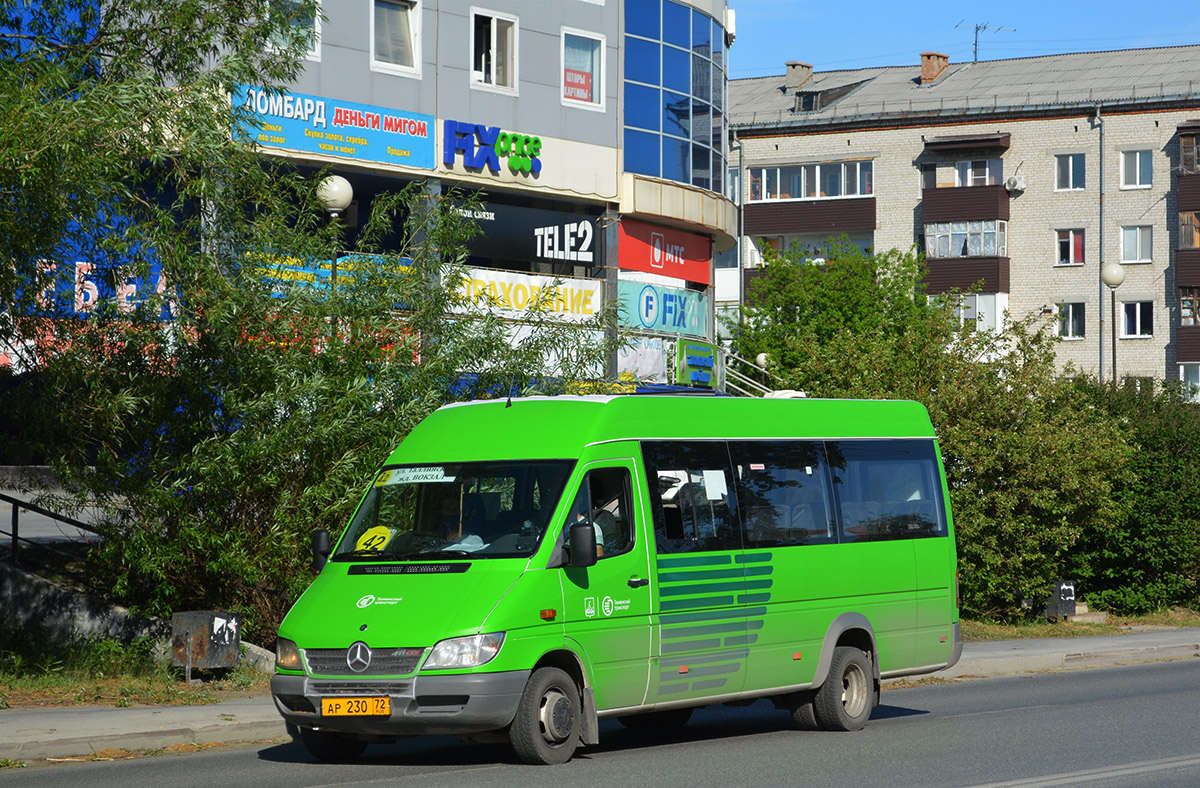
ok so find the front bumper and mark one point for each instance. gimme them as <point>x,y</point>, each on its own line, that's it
<point>460,704</point>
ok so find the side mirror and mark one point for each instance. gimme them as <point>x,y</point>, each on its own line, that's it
<point>320,548</point>
<point>583,544</point>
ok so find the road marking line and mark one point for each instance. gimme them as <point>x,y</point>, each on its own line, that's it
<point>1103,773</point>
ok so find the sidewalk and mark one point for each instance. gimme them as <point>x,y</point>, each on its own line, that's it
<point>31,734</point>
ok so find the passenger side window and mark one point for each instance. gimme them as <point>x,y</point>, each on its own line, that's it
<point>691,496</point>
<point>887,489</point>
<point>603,499</point>
<point>783,492</point>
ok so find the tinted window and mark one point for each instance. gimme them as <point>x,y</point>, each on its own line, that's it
<point>641,152</point>
<point>691,496</point>
<point>783,492</point>
<point>677,24</point>
<point>886,489</point>
<point>641,61</point>
<point>641,17</point>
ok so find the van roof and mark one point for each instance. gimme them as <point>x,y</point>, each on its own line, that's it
<point>560,427</point>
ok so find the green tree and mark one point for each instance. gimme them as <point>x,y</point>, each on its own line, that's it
<point>223,416</point>
<point>1030,462</point>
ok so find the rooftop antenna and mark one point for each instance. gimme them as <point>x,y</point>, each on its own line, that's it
<point>982,26</point>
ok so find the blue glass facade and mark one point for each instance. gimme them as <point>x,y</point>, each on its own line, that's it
<point>674,93</point>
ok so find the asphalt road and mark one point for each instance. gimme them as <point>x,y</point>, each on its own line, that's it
<point>1133,727</point>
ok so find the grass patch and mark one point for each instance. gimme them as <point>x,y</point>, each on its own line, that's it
<point>37,669</point>
<point>9,763</point>
<point>1116,625</point>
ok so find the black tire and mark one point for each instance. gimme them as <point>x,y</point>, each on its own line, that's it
<point>657,720</point>
<point>845,700</point>
<point>549,717</point>
<point>332,746</point>
<point>800,706</point>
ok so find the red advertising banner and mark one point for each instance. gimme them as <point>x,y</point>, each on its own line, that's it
<point>577,85</point>
<point>660,250</point>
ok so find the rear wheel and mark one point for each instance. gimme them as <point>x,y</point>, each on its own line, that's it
<point>657,720</point>
<point>546,728</point>
<point>843,703</point>
<point>331,745</point>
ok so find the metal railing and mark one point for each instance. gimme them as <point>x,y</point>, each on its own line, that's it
<point>15,532</point>
<point>745,378</point>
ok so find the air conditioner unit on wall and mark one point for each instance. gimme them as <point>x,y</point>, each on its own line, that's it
<point>1016,183</point>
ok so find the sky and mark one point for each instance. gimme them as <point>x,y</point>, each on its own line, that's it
<point>865,33</point>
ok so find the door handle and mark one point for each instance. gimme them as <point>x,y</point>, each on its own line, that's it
<point>638,582</point>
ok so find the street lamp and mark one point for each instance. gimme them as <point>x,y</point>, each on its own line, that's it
<point>1113,274</point>
<point>335,194</point>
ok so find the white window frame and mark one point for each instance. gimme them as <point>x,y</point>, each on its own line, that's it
<point>1139,317</point>
<point>935,231</point>
<point>415,17</point>
<point>594,106</point>
<point>816,168</point>
<point>1066,315</point>
<point>1142,231</point>
<point>990,178</point>
<point>1069,160</point>
<point>1134,178</point>
<point>313,54</point>
<point>1071,233</point>
<point>477,80</point>
<point>1189,381</point>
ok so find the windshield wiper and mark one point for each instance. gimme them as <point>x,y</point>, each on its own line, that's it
<point>450,553</point>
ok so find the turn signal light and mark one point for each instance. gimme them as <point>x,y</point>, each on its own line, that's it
<point>548,615</point>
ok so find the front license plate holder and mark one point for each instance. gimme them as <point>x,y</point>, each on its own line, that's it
<point>373,706</point>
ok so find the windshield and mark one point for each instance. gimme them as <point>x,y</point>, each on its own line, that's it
<point>463,510</point>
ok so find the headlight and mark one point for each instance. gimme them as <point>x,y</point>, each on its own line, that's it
<point>466,652</point>
<point>287,655</point>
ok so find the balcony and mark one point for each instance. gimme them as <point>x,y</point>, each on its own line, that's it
<point>964,204</point>
<point>1187,191</point>
<point>1187,344</point>
<point>1187,268</point>
<point>962,273</point>
<point>792,217</point>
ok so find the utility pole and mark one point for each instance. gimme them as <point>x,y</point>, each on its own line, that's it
<point>983,26</point>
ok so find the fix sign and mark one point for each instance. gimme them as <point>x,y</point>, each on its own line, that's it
<point>661,250</point>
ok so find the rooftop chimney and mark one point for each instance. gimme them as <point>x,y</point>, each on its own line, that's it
<point>798,75</point>
<point>932,66</point>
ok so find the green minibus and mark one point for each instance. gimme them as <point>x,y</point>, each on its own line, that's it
<point>523,569</point>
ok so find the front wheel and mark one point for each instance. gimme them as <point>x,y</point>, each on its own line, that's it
<point>546,728</point>
<point>843,703</point>
<point>332,746</point>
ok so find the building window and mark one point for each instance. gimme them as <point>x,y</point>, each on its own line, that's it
<point>674,86</point>
<point>1137,169</point>
<point>1190,375</point>
<point>395,39</point>
<point>1069,170</point>
<point>1071,320</point>
<point>1070,247</point>
<point>305,25</point>
<point>979,172</point>
<point>582,69</point>
<point>813,181</point>
<point>929,176</point>
<point>1187,154</point>
<point>1136,244</point>
<point>1139,319</point>
<point>1189,230</point>
<point>979,308</point>
<point>1187,306</point>
<point>494,50</point>
<point>967,239</point>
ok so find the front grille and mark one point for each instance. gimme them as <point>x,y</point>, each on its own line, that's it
<point>384,662</point>
<point>360,687</point>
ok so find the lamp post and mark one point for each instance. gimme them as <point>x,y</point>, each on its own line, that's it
<point>1112,274</point>
<point>335,194</point>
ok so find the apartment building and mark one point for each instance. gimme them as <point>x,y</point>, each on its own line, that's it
<point>1023,177</point>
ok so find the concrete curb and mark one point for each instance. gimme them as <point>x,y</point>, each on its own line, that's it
<point>1038,659</point>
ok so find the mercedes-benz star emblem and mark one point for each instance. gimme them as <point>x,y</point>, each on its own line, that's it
<point>358,657</point>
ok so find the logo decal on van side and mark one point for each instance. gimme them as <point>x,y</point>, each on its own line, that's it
<point>367,600</point>
<point>589,606</point>
<point>371,599</point>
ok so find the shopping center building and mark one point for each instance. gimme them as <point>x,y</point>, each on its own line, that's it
<point>594,129</point>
